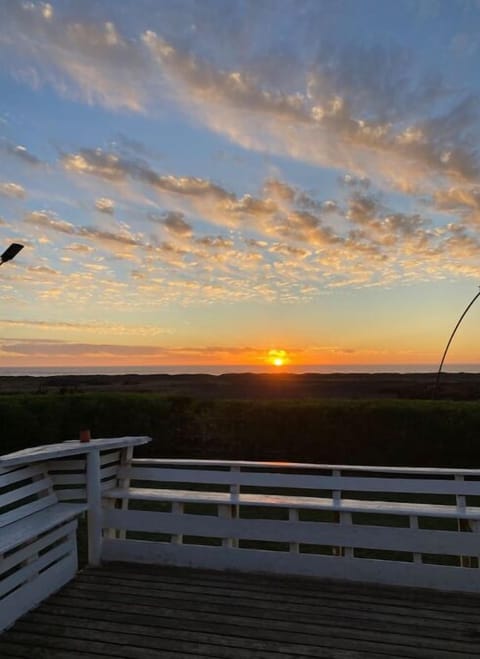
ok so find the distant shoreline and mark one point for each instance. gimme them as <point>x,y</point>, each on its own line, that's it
<point>234,369</point>
<point>278,385</point>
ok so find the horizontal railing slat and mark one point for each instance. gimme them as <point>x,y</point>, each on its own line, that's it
<point>31,549</point>
<point>360,536</point>
<point>432,471</point>
<point>69,479</point>
<point>108,472</point>
<point>27,528</point>
<point>299,481</point>
<point>27,509</point>
<point>17,475</point>
<point>26,491</point>
<point>69,494</point>
<point>442,577</point>
<point>31,569</point>
<point>298,502</point>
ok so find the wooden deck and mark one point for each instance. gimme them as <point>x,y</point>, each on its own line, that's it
<point>150,612</point>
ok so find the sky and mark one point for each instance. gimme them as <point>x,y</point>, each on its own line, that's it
<point>239,181</point>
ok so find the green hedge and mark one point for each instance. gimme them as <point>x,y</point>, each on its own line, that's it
<point>430,433</point>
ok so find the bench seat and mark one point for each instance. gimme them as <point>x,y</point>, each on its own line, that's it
<point>25,529</point>
<point>292,501</point>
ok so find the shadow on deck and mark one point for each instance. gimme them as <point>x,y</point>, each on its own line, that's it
<point>147,612</point>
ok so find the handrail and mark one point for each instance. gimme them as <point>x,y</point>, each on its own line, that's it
<point>68,448</point>
<point>452,471</point>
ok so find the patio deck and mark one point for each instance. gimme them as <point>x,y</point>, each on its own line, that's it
<point>145,612</point>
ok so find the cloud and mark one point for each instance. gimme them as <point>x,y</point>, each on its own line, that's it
<point>111,167</point>
<point>94,327</point>
<point>351,107</point>
<point>42,270</point>
<point>105,205</point>
<point>374,121</point>
<point>174,222</point>
<point>458,199</point>
<point>20,152</point>
<point>44,349</point>
<point>48,220</point>
<point>82,60</point>
<point>119,241</point>
<point>12,190</point>
<point>79,247</point>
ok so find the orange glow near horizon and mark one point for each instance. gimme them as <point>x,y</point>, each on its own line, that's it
<point>278,358</point>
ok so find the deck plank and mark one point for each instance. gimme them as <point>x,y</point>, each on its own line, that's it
<point>142,612</point>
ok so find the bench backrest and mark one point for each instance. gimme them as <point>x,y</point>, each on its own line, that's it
<point>447,486</point>
<point>23,491</point>
<point>406,526</point>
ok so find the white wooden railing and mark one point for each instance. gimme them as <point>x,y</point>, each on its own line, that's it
<point>403,526</point>
<point>43,492</point>
<point>408,526</point>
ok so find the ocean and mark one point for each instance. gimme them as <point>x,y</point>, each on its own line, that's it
<point>219,370</point>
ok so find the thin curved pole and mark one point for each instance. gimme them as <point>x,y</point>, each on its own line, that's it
<point>449,342</point>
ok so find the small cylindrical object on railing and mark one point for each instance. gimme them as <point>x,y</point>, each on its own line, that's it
<point>85,435</point>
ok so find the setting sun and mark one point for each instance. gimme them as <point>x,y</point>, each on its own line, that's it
<point>277,357</point>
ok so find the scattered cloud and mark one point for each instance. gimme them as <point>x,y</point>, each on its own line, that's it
<point>366,123</point>
<point>12,190</point>
<point>174,222</point>
<point>19,152</point>
<point>82,60</point>
<point>93,327</point>
<point>105,205</point>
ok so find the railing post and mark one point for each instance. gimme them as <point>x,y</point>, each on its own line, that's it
<point>462,524</point>
<point>94,500</point>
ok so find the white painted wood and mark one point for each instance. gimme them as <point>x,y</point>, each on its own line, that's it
<point>347,551</point>
<point>307,503</point>
<point>350,569</point>
<point>225,512</point>
<point>27,509</point>
<point>14,476</point>
<point>75,447</point>
<point>94,501</point>
<point>113,457</point>
<point>31,569</point>
<point>126,456</point>
<point>80,465</point>
<point>106,473</point>
<point>413,523</point>
<point>110,471</point>
<point>343,535</point>
<point>293,517</point>
<point>21,493</point>
<point>69,479</point>
<point>298,481</point>
<point>38,550</point>
<point>20,601</point>
<point>34,547</point>
<point>72,494</point>
<point>432,471</point>
<point>177,510</point>
<point>30,527</point>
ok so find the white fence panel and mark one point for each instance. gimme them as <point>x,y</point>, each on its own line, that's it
<point>376,524</point>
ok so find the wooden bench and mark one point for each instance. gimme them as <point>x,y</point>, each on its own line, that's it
<point>38,549</point>
<point>390,525</point>
<point>43,491</point>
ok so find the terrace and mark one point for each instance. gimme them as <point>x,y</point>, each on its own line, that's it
<point>191,558</point>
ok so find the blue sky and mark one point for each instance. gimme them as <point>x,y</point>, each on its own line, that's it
<point>204,182</point>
